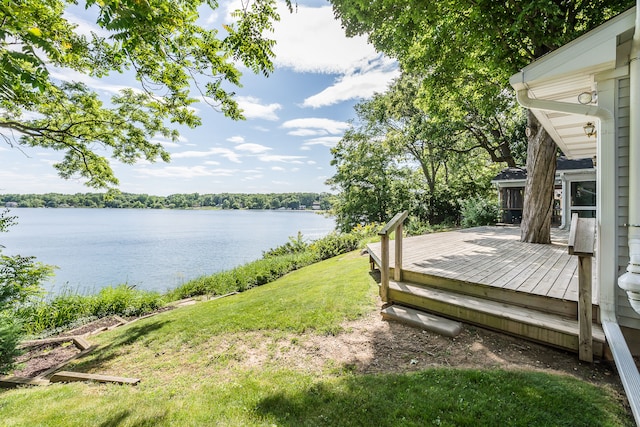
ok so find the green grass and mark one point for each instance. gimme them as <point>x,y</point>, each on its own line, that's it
<point>196,370</point>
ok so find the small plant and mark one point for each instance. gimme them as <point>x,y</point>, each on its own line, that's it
<point>478,211</point>
<point>416,226</point>
<point>10,335</point>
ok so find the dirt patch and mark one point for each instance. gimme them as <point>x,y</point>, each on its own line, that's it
<point>37,359</point>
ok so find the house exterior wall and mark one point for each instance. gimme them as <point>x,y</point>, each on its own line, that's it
<point>626,315</point>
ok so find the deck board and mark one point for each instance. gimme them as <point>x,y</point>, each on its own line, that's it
<point>494,256</point>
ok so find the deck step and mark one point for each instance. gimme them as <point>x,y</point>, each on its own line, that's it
<point>422,320</point>
<point>535,325</point>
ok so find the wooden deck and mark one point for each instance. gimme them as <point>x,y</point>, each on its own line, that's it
<point>486,276</point>
<point>494,257</point>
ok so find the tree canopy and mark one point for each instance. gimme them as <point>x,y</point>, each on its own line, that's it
<point>466,50</point>
<point>176,62</point>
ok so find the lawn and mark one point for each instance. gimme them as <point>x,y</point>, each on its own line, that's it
<point>221,362</point>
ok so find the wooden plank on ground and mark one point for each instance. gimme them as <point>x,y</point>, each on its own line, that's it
<point>68,376</point>
<point>13,382</point>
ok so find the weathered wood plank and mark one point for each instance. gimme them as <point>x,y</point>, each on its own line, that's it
<point>68,376</point>
<point>13,382</point>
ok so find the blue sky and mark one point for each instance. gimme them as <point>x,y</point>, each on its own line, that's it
<point>293,117</point>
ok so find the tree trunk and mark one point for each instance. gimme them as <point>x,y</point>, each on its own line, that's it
<point>538,192</point>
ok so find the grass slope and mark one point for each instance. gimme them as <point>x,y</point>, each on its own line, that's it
<point>197,369</point>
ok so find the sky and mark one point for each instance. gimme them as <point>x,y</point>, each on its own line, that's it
<point>293,117</point>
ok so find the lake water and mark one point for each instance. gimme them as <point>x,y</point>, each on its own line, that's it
<point>152,249</point>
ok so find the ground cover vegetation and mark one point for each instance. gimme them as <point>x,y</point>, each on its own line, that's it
<point>252,359</point>
<point>320,201</point>
<point>452,112</point>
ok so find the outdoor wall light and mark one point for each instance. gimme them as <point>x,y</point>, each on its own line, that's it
<point>587,97</point>
<point>589,129</point>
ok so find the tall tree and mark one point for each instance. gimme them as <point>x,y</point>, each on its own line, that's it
<point>367,196</point>
<point>175,61</point>
<point>475,45</point>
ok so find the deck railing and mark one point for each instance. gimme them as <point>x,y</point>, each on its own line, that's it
<point>581,242</point>
<point>393,226</point>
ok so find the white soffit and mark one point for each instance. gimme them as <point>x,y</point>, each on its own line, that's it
<point>567,72</point>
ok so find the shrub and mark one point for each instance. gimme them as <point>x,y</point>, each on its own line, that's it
<point>477,211</point>
<point>10,335</point>
<point>124,300</point>
<point>295,245</point>
<point>416,226</point>
<point>335,244</point>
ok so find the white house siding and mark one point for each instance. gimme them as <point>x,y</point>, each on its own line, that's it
<point>626,315</point>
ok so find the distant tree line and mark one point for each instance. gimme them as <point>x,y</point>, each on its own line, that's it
<point>294,201</point>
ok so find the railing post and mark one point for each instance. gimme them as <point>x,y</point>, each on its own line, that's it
<point>397,266</point>
<point>581,243</point>
<point>394,225</point>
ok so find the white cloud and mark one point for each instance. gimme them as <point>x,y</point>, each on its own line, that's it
<point>230,155</point>
<point>307,132</point>
<point>318,124</point>
<point>236,139</point>
<point>359,85</point>
<point>278,169</point>
<point>212,163</point>
<point>327,141</point>
<point>281,158</point>
<point>253,109</point>
<point>311,40</point>
<point>253,148</point>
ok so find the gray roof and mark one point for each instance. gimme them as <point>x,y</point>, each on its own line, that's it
<point>562,164</point>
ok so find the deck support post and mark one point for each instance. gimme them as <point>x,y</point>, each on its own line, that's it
<point>395,225</point>
<point>585,309</point>
<point>581,242</point>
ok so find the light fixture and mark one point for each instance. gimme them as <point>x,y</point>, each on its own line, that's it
<point>528,132</point>
<point>589,129</point>
<point>587,97</point>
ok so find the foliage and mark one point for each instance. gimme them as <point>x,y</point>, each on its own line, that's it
<point>161,43</point>
<point>70,308</point>
<point>416,226</point>
<point>318,201</point>
<point>478,211</point>
<point>372,184</point>
<point>335,244</point>
<point>10,336</point>
<point>465,51</point>
<point>20,282</point>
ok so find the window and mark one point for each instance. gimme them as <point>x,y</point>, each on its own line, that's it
<point>583,198</point>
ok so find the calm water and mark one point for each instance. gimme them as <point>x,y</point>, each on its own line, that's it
<point>152,249</point>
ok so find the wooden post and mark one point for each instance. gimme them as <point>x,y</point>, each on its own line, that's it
<point>585,345</point>
<point>384,268</point>
<point>394,225</point>
<point>581,243</point>
<point>397,266</point>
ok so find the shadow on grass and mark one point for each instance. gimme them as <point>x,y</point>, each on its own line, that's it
<point>118,346</point>
<point>443,397</point>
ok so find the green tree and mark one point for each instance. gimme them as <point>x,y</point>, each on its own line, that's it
<point>468,49</point>
<point>20,279</point>
<point>175,61</point>
<point>372,185</point>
